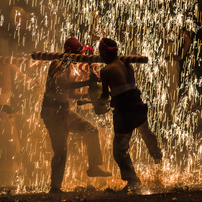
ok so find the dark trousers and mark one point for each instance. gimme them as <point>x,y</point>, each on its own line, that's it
<point>121,146</point>
<point>122,157</point>
<point>59,124</point>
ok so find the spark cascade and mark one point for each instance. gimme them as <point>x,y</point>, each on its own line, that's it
<point>155,29</point>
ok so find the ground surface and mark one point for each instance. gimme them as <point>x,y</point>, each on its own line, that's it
<point>104,196</point>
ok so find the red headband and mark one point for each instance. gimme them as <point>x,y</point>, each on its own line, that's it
<point>104,47</point>
<point>86,48</point>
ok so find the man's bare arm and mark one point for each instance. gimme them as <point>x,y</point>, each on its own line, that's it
<point>187,43</point>
<point>17,73</point>
<point>74,85</point>
<point>78,95</point>
<point>105,89</point>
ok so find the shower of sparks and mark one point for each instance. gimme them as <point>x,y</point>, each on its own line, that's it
<point>140,27</point>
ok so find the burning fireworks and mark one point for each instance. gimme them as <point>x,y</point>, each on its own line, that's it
<point>140,27</point>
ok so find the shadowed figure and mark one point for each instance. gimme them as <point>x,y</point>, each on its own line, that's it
<point>129,111</point>
<point>9,144</point>
<point>60,120</point>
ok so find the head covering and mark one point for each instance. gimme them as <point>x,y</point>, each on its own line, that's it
<point>72,45</point>
<point>19,12</point>
<point>108,45</point>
